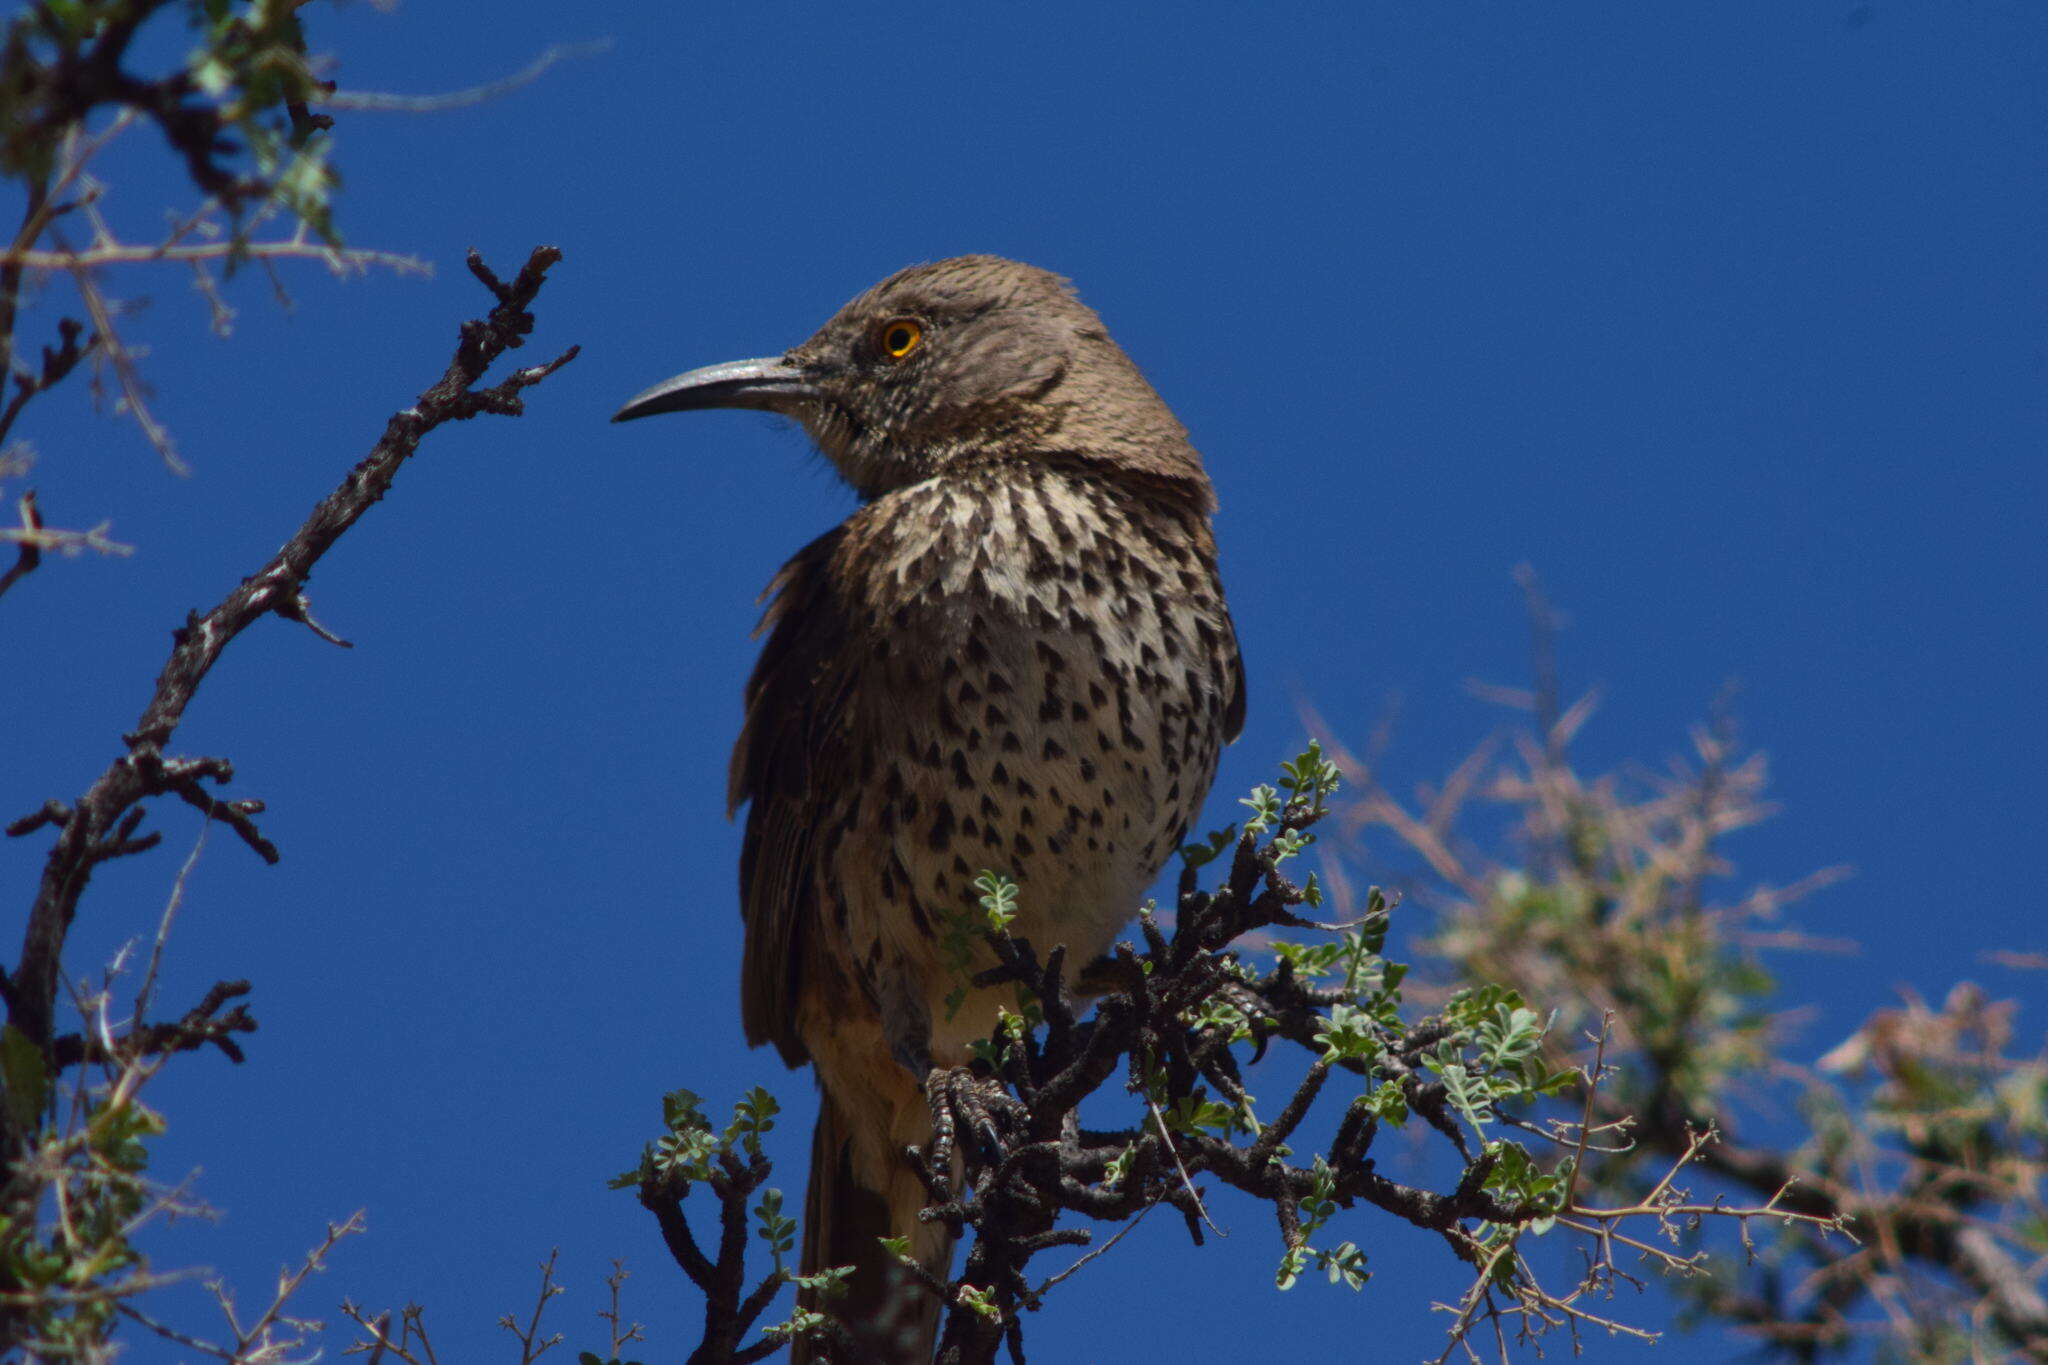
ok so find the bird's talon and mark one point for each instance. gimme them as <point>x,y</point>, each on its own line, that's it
<point>961,1098</point>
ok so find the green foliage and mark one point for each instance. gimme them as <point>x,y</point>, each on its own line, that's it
<point>1608,920</point>
<point>1193,1114</point>
<point>1612,906</point>
<point>1493,1054</point>
<point>1199,855</point>
<point>236,108</point>
<point>1476,1061</point>
<point>1264,803</point>
<point>1691,995</point>
<point>777,1229</point>
<point>252,58</point>
<point>1309,780</point>
<point>1520,1181</point>
<point>1347,1033</point>
<point>1356,952</point>
<point>998,900</point>
<point>1341,1264</point>
<point>66,1275</point>
<point>1488,1060</point>
<point>688,1151</point>
<point>1386,1102</point>
<point>799,1323</point>
<point>1011,1026</point>
<point>1344,1264</point>
<point>960,942</point>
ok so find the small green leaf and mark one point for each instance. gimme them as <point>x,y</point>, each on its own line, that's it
<point>1265,807</point>
<point>1210,849</point>
<point>1346,1032</point>
<point>1345,1265</point>
<point>998,899</point>
<point>829,1282</point>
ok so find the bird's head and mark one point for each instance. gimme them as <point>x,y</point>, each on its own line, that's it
<point>957,362</point>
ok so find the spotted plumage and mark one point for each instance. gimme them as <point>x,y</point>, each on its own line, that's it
<point>1015,656</point>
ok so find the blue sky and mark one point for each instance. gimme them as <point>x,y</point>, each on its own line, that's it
<point>1729,319</point>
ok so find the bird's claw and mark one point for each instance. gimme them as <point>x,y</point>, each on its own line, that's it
<point>961,1099</point>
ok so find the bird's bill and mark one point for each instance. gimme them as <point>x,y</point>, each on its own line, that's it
<point>768,383</point>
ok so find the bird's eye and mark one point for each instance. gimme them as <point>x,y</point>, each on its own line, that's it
<point>900,336</point>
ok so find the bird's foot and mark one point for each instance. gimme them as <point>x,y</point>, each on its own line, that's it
<point>978,1105</point>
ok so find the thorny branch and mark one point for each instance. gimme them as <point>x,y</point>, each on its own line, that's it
<point>301,245</point>
<point>235,110</point>
<point>90,1167</point>
<point>1011,1161</point>
<point>202,1026</point>
<point>1162,1028</point>
<point>103,824</point>
<point>31,538</point>
<point>1927,1145</point>
<point>409,1343</point>
<point>532,1345</point>
<point>730,1308</point>
<point>276,1335</point>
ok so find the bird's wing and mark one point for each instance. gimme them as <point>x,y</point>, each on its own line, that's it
<point>794,739</point>
<point>1233,706</point>
<point>1233,711</point>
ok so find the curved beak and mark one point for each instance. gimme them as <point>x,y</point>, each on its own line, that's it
<point>768,383</point>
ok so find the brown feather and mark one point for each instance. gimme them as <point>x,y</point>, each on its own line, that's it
<point>793,728</point>
<point>1015,656</point>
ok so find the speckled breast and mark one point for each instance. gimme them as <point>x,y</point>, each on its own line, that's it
<point>1054,659</point>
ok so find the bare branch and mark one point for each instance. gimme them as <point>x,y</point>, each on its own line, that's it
<point>373,102</point>
<point>94,829</point>
<point>532,1345</point>
<point>300,247</point>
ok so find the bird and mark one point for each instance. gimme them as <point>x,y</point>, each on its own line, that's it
<point>1014,656</point>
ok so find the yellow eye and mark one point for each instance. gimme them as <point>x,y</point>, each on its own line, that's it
<point>900,336</point>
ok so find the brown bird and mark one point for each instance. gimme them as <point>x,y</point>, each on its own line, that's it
<point>1014,656</point>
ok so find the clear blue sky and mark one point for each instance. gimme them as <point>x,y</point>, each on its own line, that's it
<point>1728,318</point>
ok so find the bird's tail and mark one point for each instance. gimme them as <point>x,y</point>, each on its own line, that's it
<point>863,1188</point>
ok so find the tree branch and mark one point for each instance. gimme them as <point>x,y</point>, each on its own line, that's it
<point>102,822</point>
